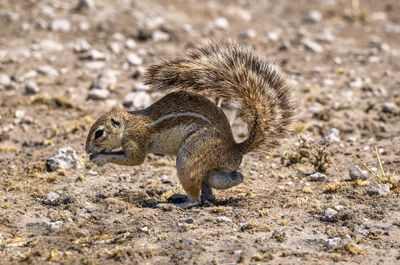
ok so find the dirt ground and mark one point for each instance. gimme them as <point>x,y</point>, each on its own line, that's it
<point>342,59</point>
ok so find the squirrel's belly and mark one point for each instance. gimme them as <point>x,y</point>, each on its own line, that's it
<point>169,140</point>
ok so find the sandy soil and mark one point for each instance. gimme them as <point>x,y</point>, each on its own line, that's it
<point>343,63</point>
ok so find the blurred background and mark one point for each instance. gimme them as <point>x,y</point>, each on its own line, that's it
<point>65,62</point>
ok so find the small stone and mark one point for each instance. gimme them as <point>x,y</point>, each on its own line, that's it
<point>98,94</point>
<point>52,199</point>
<point>221,23</point>
<point>331,136</point>
<point>85,4</point>
<point>389,107</point>
<point>312,16</point>
<point>159,35</point>
<point>140,87</point>
<point>19,114</point>
<point>47,70</point>
<point>318,177</point>
<point>356,173</point>
<point>134,59</point>
<point>379,190</point>
<point>313,46</point>
<point>31,88</point>
<point>115,47</point>
<point>5,81</point>
<point>61,25</point>
<point>237,252</point>
<point>50,45</point>
<point>356,83</point>
<point>65,158</point>
<point>144,229</point>
<point>94,55</point>
<point>248,34</point>
<point>130,44</point>
<point>81,45</point>
<point>137,100</point>
<point>338,207</point>
<point>104,81</point>
<point>55,225</point>
<point>273,36</point>
<point>225,219</point>
<point>165,179</point>
<point>332,242</point>
<point>330,215</point>
<point>96,65</point>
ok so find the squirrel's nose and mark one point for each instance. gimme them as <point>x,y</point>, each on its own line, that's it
<point>88,148</point>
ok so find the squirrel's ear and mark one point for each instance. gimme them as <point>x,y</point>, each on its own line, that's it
<point>115,123</point>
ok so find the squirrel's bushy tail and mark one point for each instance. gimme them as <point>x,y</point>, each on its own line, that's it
<point>238,73</point>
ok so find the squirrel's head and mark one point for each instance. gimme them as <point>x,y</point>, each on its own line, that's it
<point>106,133</point>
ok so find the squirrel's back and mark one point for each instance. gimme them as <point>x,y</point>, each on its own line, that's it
<point>238,73</point>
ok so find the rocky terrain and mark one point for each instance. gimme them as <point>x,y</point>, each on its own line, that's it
<point>63,63</point>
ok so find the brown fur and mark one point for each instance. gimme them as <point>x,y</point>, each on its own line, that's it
<point>190,125</point>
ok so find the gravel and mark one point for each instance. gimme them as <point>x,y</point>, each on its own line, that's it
<point>332,242</point>
<point>31,88</point>
<point>312,16</point>
<point>65,158</point>
<point>52,226</point>
<point>224,219</point>
<point>318,177</point>
<point>332,136</point>
<point>389,107</point>
<point>379,190</point>
<point>137,100</point>
<point>357,173</point>
<point>98,94</point>
<point>312,46</point>
<point>221,23</point>
<point>330,215</point>
<point>61,25</point>
<point>134,59</point>
<point>5,81</point>
<point>52,199</point>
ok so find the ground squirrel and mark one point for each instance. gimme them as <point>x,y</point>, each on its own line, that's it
<point>190,126</point>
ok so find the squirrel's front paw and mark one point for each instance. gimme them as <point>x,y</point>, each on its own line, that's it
<point>98,159</point>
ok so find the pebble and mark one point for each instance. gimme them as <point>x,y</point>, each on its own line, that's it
<point>140,87</point>
<point>273,36</point>
<point>379,190</point>
<point>332,242</point>
<point>60,25</point>
<point>5,81</point>
<point>52,198</point>
<point>94,55</point>
<point>144,229</point>
<point>329,215</point>
<point>248,34</point>
<point>50,45</point>
<point>130,44</point>
<point>312,16</point>
<point>357,173</point>
<point>389,107</point>
<point>96,65</point>
<point>159,35</point>
<point>221,23</point>
<point>98,94</point>
<point>115,47</point>
<point>104,80</point>
<point>65,158</point>
<point>81,45</point>
<point>137,100</point>
<point>312,46</point>
<point>85,4</point>
<point>47,70</point>
<point>318,177</point>
<point>134,59</point>
<point>331,136</point>
<point>31,88</point>
<point>55,225</point>
<point>165,179</point>
<point>225,219</point>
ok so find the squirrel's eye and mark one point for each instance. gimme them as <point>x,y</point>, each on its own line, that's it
<point>98,134</point>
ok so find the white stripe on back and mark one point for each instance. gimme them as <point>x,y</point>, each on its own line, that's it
<point>174,115</point>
